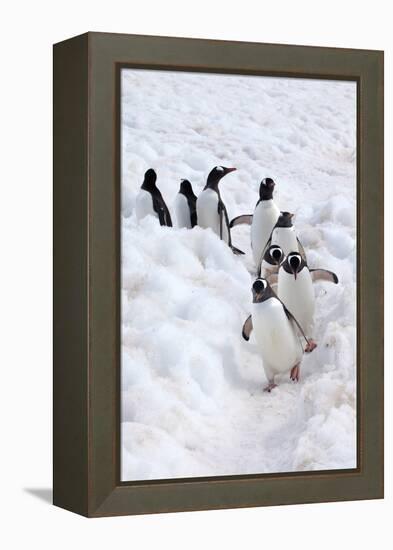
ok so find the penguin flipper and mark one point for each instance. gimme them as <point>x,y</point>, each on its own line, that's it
<point>161,214</point>
<point>161,209</point>
<point>167,215</point>
<point>323,275</point>
<point>243,219</point>
<point>247,328</point>
<point>220,208</point>
<point>222,211</point>
<point>237,251</point>
<point>296,322</point>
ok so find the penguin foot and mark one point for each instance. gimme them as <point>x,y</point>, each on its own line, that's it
<point>310,346</point>
<point>295,373</point>
<point>270,387</point>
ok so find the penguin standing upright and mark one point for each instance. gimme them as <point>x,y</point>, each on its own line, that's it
<point>295,290</point>
<point>262,221</point>
<point>150,201</point>
<point>211,210</point>
<point>277,333</point>
<point>185,206</point>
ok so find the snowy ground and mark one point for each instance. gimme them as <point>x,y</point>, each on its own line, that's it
<point>192,400</point>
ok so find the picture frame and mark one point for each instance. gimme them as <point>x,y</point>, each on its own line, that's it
<point>86,373</point>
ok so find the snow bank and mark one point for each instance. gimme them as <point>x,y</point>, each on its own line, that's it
<point>192,400</point>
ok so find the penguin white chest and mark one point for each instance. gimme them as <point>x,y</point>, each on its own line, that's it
<point>207,212</point>
<point>182,211</point>
<point>285,237</point>
<point>144,205</point>
<point>264,219</point>
<point>298,296</point>
<point>278,344</point>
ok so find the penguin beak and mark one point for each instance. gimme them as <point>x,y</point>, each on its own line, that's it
<point>294,266</point>
<point>294,271</point>
<point>228,170</point>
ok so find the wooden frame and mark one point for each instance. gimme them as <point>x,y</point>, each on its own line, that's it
<point>86,274</point>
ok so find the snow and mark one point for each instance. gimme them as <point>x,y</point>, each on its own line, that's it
<point>192,399</point>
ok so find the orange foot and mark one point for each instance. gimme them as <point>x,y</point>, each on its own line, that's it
<point>310,346</point>
<point>270,387</point>
<point>295,373</point>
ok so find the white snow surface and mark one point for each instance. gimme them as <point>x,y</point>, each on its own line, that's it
<point>192,399</point>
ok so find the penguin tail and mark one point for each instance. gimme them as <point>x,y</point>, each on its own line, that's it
<point>237,251</point>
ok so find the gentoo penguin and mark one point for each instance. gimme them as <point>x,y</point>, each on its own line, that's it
<point>262,221</point>
<point>185,206</point>
<point>277,333</point>
<point>271,260</point>
<point>284,236</point>
<point>149,200</point>
<point>295,290</point>
<point>211,210</point>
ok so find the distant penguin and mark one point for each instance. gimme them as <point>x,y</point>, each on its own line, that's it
<point>284,236</point>
<point>185,206</point>
<point>277,334</point>
<point>271,260</point>
<point>211,210</point>
<point>150,201</point>
<point>295,290</point>
<point>262,221</point>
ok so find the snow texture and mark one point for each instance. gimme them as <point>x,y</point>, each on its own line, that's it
<point>192,399</point>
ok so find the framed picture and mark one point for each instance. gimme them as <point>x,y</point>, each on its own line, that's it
<point>218,274</point>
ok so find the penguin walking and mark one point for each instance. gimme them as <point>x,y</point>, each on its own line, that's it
<point>185,206</point>
<point>262,221</point>
<point>211,210</point>
<point>150,201</point>
<point>277,334</point>
<point>284,236</point>
<point>295,290</point>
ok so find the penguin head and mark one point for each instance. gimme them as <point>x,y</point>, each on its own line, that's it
<point>150,179</point>
<point>186,188</point>
<point>294,262</point>
<point>217,174</point>
<point>285,219</point>
<point>274,255</point>
<point>260,290</point>
<point>266,189</point>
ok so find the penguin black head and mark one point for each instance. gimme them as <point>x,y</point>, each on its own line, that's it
<point>150,179</point>
<point>273,255</point>
<point>294,263</point>
<point>186,188</point>
<point>266,189</point>
<point>216,174</point>
<point>261,290</point>
<point>285,219</point>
